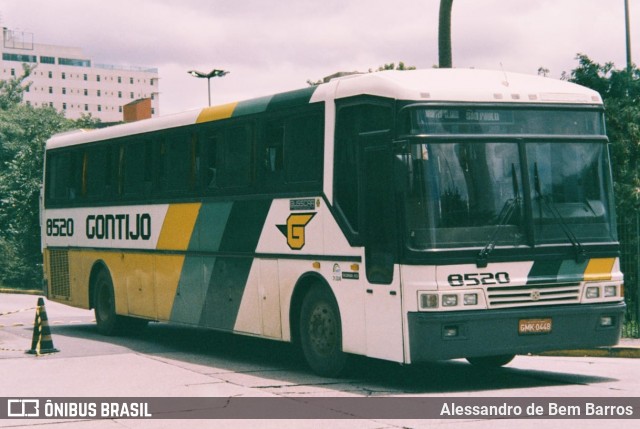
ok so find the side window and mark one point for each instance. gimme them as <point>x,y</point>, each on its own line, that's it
<point>137,169</point>
<point>303,149</point>
<point>176,163</point>
<point>274,147</point>
<point>237,169</point>
<point>345,183</point>
<point>352,121</point>
<point>64,175</point>
<point>291,153</point>
<point>97,173</point>
<point>210,160</point>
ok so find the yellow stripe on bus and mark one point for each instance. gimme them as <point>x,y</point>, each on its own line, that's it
<point>217,112</point>
<point>599,269</point>
<point>178,226</point>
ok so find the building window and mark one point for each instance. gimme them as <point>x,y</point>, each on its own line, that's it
<point>119,79</point>
<point>131,95</point>
<point>120,109</point>
<point>13,72</point>
<point>99,93</point>
<point>64,75</point>
<point>119,94</point>
<point>99,108</point>
<point>85,76</point>
<point>98,78</point>
<point>86,92</point>
<point>20,58</point>
<point>64,91</point>
<point>74,62</point>
<point>86,107</point>
<point>50,90</point>
<point>47,60</point>
<point>131,80</point>
<point>64,106</point>
<point>50,75</point>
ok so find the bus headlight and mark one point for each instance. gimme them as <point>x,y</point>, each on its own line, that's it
<point>610,291</point>
<point>449,300</point>
<point>428,300</point>
<point>470,299</point>
<point>592,292</point>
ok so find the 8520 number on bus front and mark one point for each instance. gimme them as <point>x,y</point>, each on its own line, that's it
<point>478,279</point>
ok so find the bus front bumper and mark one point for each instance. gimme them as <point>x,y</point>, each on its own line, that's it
<point>451,335</point>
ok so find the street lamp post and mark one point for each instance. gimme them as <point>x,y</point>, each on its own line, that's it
<point>208,76</point>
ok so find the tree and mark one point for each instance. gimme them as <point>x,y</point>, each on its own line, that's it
<point>11,90</point>
<point>391,66</point>
<point>444,35</point>
<point>23,133</point>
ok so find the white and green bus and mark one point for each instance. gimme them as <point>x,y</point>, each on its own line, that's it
<point>403,215</point>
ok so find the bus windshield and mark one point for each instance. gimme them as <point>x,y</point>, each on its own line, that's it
<point>456,194</point>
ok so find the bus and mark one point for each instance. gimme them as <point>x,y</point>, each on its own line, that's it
<point>408,216</point>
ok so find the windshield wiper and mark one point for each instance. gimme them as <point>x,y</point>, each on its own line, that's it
<point>505,214</point>
<point>581,254</point>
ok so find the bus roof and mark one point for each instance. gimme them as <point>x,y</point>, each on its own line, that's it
<point>429,85</point>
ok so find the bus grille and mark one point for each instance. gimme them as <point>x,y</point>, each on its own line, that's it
<point>59,266</point>
<point>534,294</point>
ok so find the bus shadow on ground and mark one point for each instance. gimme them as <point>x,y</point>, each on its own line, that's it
<point>283,364</point>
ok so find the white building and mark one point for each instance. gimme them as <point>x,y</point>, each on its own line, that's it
<point>67,80</point>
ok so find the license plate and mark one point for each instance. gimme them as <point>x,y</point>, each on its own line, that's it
<point>534,326</point>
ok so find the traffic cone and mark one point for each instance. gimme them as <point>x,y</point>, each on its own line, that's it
<point>41,342</point>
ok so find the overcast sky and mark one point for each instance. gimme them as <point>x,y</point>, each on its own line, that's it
<point>276,45</point>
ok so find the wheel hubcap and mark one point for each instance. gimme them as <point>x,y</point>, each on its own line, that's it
<point>322,329</point>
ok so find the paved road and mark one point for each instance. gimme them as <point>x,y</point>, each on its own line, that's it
<point>173,361</point>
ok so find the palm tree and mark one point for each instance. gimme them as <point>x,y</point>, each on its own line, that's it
<point>444,35</point>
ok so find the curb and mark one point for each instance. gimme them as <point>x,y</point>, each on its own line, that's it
<point>611,352</point>
<point>22,291</point>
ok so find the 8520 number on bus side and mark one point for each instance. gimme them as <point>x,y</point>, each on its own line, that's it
<point>478,279</point>
<point>60,227</point>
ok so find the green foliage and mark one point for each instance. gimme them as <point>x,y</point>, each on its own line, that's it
<point>11,90</point>
<point>391,66</point>
<point>23,133</point>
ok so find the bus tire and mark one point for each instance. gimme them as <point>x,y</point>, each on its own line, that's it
<point>321,333</point>
<point>105,304</point>
<point>489,362</point>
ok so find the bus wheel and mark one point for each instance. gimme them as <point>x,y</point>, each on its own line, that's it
<point>105,304</point>
<point>491,361</point>
<point>321,333</point>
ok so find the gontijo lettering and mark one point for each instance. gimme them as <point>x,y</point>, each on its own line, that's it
<point>119,227</point>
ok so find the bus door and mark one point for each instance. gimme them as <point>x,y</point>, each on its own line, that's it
<point>383,313</point>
